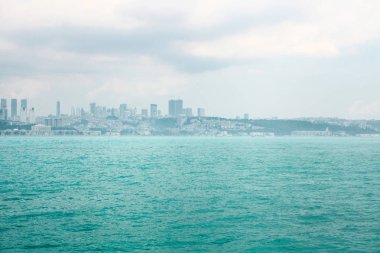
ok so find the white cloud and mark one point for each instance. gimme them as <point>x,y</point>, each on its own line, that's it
<point>23,87</point>
<point>51,13</point>
<point>365,109</point>
<point>284,39</point>
<point>328,28</point>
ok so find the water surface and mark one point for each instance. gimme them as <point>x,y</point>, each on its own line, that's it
<point>177,194</point>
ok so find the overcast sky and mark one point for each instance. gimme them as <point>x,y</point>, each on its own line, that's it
<point>266,58</point>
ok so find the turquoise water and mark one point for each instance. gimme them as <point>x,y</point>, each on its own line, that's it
<point>174,194</point>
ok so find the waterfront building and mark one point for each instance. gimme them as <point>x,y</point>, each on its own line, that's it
<point>153,111</point>
<point>40,130</point>
<point>201,112</point>
<point>327,132</point>
<point>246,116</point>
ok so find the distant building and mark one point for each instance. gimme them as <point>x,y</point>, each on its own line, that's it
<point>153,111</point>
<point>23,115</point>
<point>175,107</point>
<point>3,103</point>
<point>188,112</point>
<point>58,111</point>
<point>14,108</point>
<point>327,132</point>
<point>93,108</point>
<point>3,114</point>
<point>144,113</point>
<point>172,108</point>
<point>24,104</point>
<point>32,116</point>
<point>4,109</point>
<point>201,112</point>
<point>246,116</point>
<point>40,130</point>
<point>123,110</point>
<point>72,111</point>
<point>53,122</point>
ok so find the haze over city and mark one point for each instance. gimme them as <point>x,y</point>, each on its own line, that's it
<point>266,58</point>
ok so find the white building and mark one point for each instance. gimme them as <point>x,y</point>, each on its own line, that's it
<point>41,130</point>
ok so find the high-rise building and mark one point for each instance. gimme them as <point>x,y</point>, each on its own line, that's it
<point>24,104</point>
<point>153,111</point>
<point>23,114</point>
<point>32,116</point>
<point>201,112</point>
<point>58,109</point>
<point>179,107</point>
<point>14,108</point>
<point>246,116</point>
<point>3,114</point>
<point>3,103</point>
<point>93,108</point>
<point>175,107</point>
<point>188,112</point>
<point>172,108</point>
<point>4,109</point>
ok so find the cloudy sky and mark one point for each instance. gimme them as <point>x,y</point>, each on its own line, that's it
<point>268,58</point>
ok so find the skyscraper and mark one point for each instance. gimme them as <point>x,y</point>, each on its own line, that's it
<point>153,111</point>
<point>58,111</point>
<point>14,108</point>
<point>23,114</point>
<point>32,116</point>
<point>3,103</point>
<point>175,107</point>
<point>4,109</point>
<point>24,104</point>
<point>172,108</point>
<point>179,107</point>
<point>3,115</point>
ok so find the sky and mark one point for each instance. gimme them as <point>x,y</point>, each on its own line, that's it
<point>268,58</point>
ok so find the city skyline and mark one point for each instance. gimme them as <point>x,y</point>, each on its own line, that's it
<point>19,110</point>
<point>268,59</point>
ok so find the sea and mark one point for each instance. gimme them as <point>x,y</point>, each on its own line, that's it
<point>189,194</point>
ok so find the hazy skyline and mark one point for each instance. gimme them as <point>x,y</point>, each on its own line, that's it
<point>266,58</point>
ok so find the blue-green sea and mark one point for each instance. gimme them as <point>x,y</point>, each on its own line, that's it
<point>189,194</point>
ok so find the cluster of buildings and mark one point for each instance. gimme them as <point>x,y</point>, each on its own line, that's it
<point>18,118</point>
<point>17,111</point>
